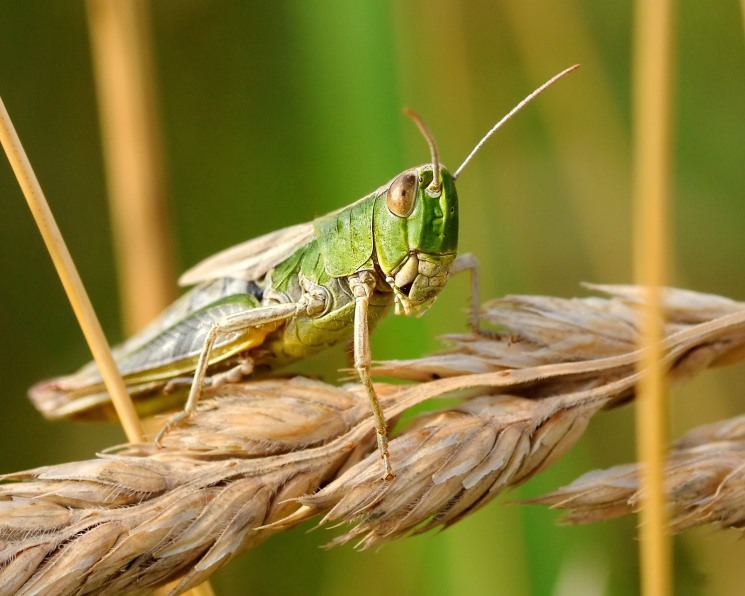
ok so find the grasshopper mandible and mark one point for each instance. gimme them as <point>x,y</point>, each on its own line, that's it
<point>291,293</point>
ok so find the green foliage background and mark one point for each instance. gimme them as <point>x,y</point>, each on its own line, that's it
<point>275,112</point>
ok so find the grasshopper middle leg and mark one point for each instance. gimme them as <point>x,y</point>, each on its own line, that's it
<point>467,262</point>
<point>234,374</point>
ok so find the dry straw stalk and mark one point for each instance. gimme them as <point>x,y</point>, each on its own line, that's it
<point>261,457</point>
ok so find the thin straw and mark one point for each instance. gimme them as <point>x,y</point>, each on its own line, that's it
<point>122,60</point>
<point>652,72</point>
<point>69,276</point>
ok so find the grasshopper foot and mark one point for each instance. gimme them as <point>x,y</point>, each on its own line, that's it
<point>385,456</point>
<point>173,422</point>
<point>177,383</point>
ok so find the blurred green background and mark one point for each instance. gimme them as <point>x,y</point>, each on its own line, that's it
<point>275,112</point>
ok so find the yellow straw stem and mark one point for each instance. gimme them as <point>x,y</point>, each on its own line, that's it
<point>120,44</point>
<point>651,109</point>
<point>69,276</point>
<point>204,589</point>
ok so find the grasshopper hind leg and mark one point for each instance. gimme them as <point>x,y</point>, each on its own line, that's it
<point>253,317</point>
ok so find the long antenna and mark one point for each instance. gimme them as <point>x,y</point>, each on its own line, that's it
<point>434,188</point>
<point>512,112</point>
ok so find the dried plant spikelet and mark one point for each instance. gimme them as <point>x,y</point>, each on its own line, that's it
<point>20,568</point>
<point>123,482</point>
<point>540,330</point>
<point>233,474</point>
<point>201,529</point>
<point>732,429</point>
<point>141,518</point>
<point>704,482</point>
<point>208,516</point>
<point>287,415</point>
<point>679,306</point>
<point>448,464</point>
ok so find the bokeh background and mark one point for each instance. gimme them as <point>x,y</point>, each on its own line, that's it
<point>275,112</point>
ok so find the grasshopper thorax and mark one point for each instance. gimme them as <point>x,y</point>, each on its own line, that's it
<point>416,235</point>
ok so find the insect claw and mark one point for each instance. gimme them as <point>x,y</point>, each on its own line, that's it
<point>174,421</point>
<point>158,440</point>
<point>388,475</point>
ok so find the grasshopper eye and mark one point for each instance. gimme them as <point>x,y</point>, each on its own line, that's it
<point>402,195</point>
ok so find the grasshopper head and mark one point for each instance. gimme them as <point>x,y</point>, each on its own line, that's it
<point>416,235</point>
<point>415,220</point>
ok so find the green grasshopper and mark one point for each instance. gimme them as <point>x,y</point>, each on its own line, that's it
<point>291,293</point>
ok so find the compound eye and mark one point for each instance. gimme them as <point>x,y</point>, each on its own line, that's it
<point>402,195</point>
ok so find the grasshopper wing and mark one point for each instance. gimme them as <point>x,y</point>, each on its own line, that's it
<point>253,259</point>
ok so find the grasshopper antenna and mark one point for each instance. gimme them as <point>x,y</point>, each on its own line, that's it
<point>512,112</point>
<point>435,187</point>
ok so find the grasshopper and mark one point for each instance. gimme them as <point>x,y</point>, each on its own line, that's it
<point>291,293</point>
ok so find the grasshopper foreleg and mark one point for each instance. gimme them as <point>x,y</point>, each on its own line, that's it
<point>235,322</point>
<point>467,262</point>
<point>362,285</point>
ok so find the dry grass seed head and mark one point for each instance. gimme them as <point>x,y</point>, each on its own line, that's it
<point>236,472</point>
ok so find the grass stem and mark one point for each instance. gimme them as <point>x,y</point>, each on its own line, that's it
<point>651,144</point>
<point>69,276</point>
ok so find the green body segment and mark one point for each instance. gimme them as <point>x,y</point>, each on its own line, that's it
<point>345,238</point>
<point>363,236</point>
<point>409,258</point>
<point>304,336</point>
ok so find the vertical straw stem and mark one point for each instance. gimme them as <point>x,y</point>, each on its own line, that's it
<point>122,60</point>
<point>651,111</point>
<point>68,274</point>
<point>120,45</point>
